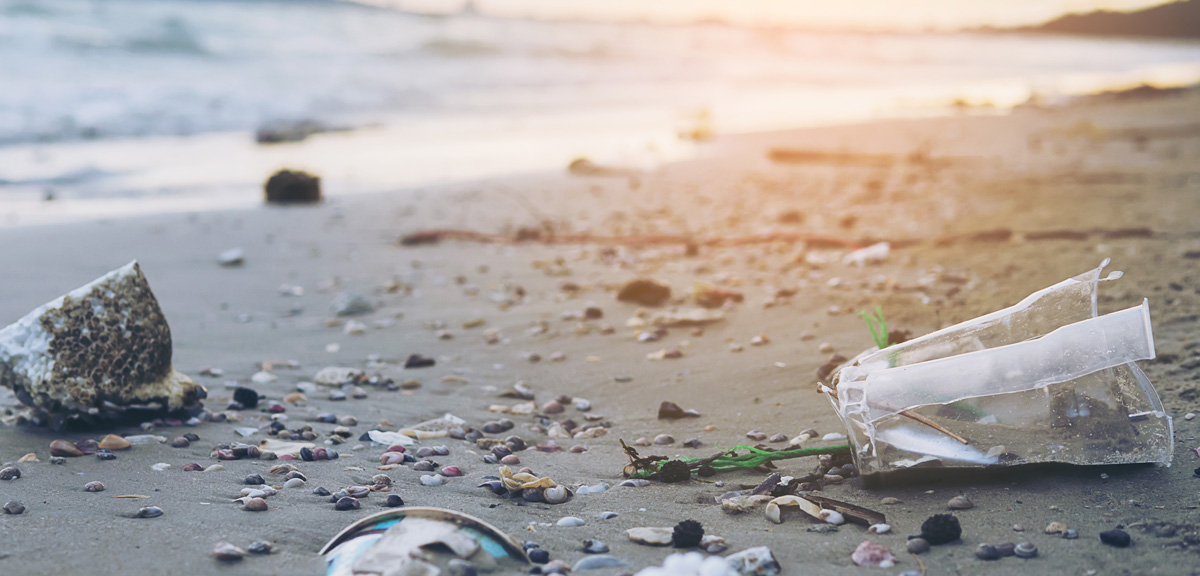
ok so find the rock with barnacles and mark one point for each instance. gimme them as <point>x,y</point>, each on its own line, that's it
<point>100,351</point>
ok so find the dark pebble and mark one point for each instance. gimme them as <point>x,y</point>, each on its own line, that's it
<point>492,428</point>
<point>987,552</point>
<point>693,443</point>
<point>10,473</point>
<point>191,437</point>
<point>306,454</point>
<point>1118,538</point>
<point>442,450</point>
<point>394,500</point>
<point>419,361</point>
<point>105,454</point>
<point>515,443</point>
<point>424,452</point>
<point>539,556</point>
<point>246,397</point>
<point>347,503</point>
<point>941,529</point>
<point>321,491</point>
<point>254,480</point>
<point>14,507</point>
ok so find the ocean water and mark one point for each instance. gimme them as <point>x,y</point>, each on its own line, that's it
<point>118,106</point>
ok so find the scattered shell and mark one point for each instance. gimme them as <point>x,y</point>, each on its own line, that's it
<point>255,505</point>
<point>1025,550</point>
<point>1055,528</point>
<point>393,500</point>
<point>833,517</point>
<point>434,480</point>
<point>1006,549</point>
<point>569,521</point>
<point>598,488</point>
<point>832,436</point>
<point>149,512</point>
<point>227,552</point>
<point>987,552</point>
<point>1070,534</point>
<point>635,483</point>
<point>10,473</point>
<point>94,486</point>
<point>890,501</point>
<point>872,555</point>
<point>556,494</point>
<point>347,503</point>
<point>960,503</point>
<point>664,439</point>
<point>918,546</point>
<point>259,547</point>
<point>162,467</point>
<point>114,442</point>
<point>607,515</point>
<point>293,483</point>
<point>213,468</point>
<point>879,529</point>
<point>64,448</point>
<point>651,536</point>
<point>452,471</point>
<point>598,562</point>
<point>30,457</point>
<point>13,507</point>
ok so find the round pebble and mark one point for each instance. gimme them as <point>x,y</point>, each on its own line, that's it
<point>1118,538</point>
<point>94,486</point>
<point>569,521</point>
<point>321,491</point>
<point>394,500</point>
<point>10,473</point>
<point>918,546</point>
<point>254,480</point>
<point>664,439</point>
<point>293,483</point>
<point>381,480</point>
<point>539,556</point>
<point>13,507</point>
<point>347,503</point>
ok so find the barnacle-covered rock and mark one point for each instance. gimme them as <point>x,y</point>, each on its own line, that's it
<point>100,351</point>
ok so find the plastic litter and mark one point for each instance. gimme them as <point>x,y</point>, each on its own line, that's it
<point>420,540</point>
<point>1045,380</point>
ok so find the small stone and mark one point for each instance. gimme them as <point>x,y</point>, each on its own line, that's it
<point>254,480</point>
<point>94,486</point>
<point>779,438</point>
<point>104,454</point>
<point>569,521</point>
<point>347,503</point>
<point>1116,537</point>
<point>756,436</point>
<point>10,473</point>
<point>1018,528</point>
<point>651,536</point>
<point>454,471</point>
<point>418,361</point>
<point>890,501</point>
<point>987,552</point>
<point>394,500</point>
<point>293,483</point>
<point>150,512</point>
<point>348,421</point>
<point>1055,528</point>
<point>960,503</point>
<point>577,449</point>
<point>1006,549</point>
<point>825,348</point>
<point>180,442</point>
<point>538,556</point>
<point>553,407</point>
<point>226,552</point>
<point>664,439</point>
<point>1070,534</point>
<point>918,546</point>
<point>13,507</point>
<point>259,547</point>
<point>434,480</point>
<point>255,505</point>
<point>644,292</point>
<point>351,304</point>
<point>693,443</point>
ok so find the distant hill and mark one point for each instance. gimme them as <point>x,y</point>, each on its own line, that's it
<point>1174,20</point>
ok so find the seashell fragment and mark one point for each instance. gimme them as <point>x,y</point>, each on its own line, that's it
<point>96,352</point>
<point>598,563</point>
<point>64,448</point>
<point>872,555</point>
<point>569,521</point>
<point>114,442</point>
<point>556,495</point>
<point>651,536</point>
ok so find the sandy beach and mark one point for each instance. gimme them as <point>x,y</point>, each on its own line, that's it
<point>1113,179</point>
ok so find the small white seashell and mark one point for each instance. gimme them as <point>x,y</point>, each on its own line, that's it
<point>879,529</point>
<point>293,483</point>
<point>833,517</point>
<point>556,495</point>
<point>215,468</point>
<point>773,513</point>
<point>569,521</point>
<point>160,467</point>
<point>434,480</point>
<point>833,436</point>
<point>598,488</point>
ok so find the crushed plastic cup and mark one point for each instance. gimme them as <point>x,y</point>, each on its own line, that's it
<point>1047,380</point>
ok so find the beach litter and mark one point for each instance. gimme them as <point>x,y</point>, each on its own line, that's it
<point>418,540</point>
<point>102,351</point>
<point>1045,380</point>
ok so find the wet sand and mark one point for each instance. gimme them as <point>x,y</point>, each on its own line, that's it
<point>1085,169</point>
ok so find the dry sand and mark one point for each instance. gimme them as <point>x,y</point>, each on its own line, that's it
<point>1096,166</point>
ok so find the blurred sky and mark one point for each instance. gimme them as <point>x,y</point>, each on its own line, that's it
<point>830,14</point>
